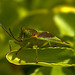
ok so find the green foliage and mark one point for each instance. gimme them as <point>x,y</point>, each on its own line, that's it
<point>51,47</point>
<point>54,16</point>
<point>46,57</point>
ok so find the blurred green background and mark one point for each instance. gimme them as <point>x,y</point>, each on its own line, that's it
<point>55,16</point>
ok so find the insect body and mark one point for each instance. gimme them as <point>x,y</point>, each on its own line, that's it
<point>34,37</point>
<point>30,38</point>
<point>41,39</point>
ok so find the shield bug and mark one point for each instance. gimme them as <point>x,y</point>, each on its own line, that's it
<point>30,38</point>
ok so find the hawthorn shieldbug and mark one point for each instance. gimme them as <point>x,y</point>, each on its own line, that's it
<point>30,38</point>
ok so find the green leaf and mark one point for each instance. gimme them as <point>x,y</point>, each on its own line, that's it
<point>46,56</point>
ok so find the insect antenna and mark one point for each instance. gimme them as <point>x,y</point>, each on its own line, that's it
<point>6,30</point>
<point>10,34</point>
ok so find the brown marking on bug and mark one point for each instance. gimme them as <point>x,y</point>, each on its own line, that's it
<point>45,34</point>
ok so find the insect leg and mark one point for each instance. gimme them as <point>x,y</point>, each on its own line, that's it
<point>22,47</point>
<point>36,57</point>
<point>35,47</point>
<point>49,43</point>
<point>18,50</point>
<point>27,44</point>
<point>45,44</point>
